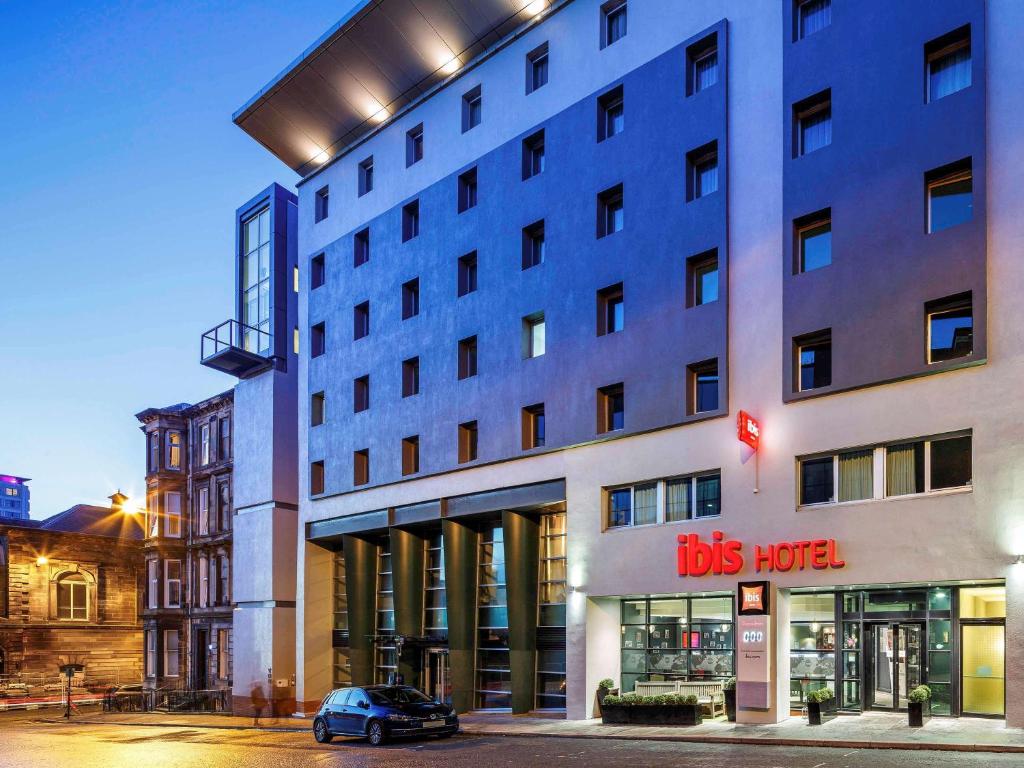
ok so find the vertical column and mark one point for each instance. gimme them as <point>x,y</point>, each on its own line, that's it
<point>522,543</point>
<point>315,615</point>
<point>407,550</point>
<point>778,708</point>
<point>361,590</point>
<point>1014,649</point>
<point>460,564</point>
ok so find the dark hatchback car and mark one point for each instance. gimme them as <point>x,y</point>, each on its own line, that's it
<point>382,712</point>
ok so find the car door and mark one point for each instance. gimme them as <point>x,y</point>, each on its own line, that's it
<point>357,712</point>
<point>335,711</point>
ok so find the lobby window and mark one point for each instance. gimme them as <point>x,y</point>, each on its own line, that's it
<point>411,298</point>
<point>467,190</point>
<point>811,16</point>
<point>173,449</point>
<point>533,335</point>
<point>537,68</point>
<point>812,644</point>
<point>321,204</point>
<point>950,195</point>
<point>552,588</point>
<point>411,377</point>
<point>812,123</point>
<point>472,109</point>
<point>467,274</point>
<point>414,145</point>
<point>317,409</point>
<point>702,171</point>
<point>317,271</point>
<point>361,467</point>
<point>611,214</point>
<point>533,155</point>
<point>611,314</point>
<point>611,408</point>
<point>467,442</point>
<point>493,666</point>
<point>702,65</point>
<point>702,278</point>
<point>172,583</point>
<point>950,328</point>
<point>361,394</point>
<point>435,610</point>
<point>948,64</point>
<point>533,245</point>
<point>813,237</point>
<point>467,357</point>
<point>366,176</point>
<point>361,321</point>
<point>410,220</point>
<point>611,113</point>
<point>703,387</point>
<point>316,477</point>
<point>411,455</point>
<point>361,248</point>
<point>317,340</point>
<point>533,426</point>
<point>613,22</point>
<point>73,598</point>
<point>813,358</point>
<point>385,660</point>
<point>172,657</point>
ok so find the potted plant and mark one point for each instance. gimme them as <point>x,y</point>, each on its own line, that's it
<point>729,688</point>
<point>919,706</point>
<point>666,709</point>
<point>604,689</point>
<point>821,706</point>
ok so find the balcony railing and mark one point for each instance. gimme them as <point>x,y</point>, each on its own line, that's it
<point>236,349</point>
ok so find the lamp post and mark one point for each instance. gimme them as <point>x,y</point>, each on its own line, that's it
<point>69,670</point>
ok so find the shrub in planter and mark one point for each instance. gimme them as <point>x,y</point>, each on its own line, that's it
<point>821,706</point>
<point>665,709</point>
<point>729,687</point>
<point>919,706</point>
<point>604,688</point>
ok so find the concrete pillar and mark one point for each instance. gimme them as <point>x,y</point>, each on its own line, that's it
<point>593,642</point>
<point>1014,649</point>
<point>460,567</point>
<point>778,709</point>
<point>361,589</point>
<point>407,552</point>
<point>522,543</point>
<point>314,656</point>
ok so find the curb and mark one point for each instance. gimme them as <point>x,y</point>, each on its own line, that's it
<point>211,726</point>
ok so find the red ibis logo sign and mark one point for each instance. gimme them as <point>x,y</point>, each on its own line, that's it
<point>748,430</point>
<point>722,556</point>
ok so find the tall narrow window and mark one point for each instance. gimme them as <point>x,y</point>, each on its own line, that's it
<point>813,361</point>
<point>414,145</point>
<point>472,109</point>
<point>151,652</point>
<point>950,195</point>
<point>410,220</point>
<point>467,190</point>
<point>411,377</point>
<point>317,339</point>
<point>533,245</point>
<point>317,271</point>
<point>703,395</point>
<point>360,394</point>
<point>611,214</point>
<point>702,178</point>
<point>467,274</point>
<point>172,656</point>
<point>411,455</point>
<point>611,113</point>
<point>256,298</point>
<point>411,298</point>
<point>172,514</point>
<point>467,357</point>
<point>812,121</point>
<point>224,444</point>
<point>811,16</point>
<point>817,481</point>
<point>154,451</point>
<point>533,335</point>
<point>361,321</point>
<point>173,449</point>
<point>153,583</point>
<point>611,314</point>
<point>467,442</point>
<point>317,409</point>
<point>361,467</point>
<point>316,477</point>
<point>948,63</point>
<point>533,425</point>
<point>813,236</point>
<point>611,408</point>
<point>537,68</point>
<point>950,328</point>
<point>361,247</point>
<point>320,204</point>
<point>72,598</point>
<point>366,176</point>
<point>613,22</point>
<point>702,278</point>
<point>172,583</point>
<point>533,155</point>
<point>203,512</point>
<point>702,63</point>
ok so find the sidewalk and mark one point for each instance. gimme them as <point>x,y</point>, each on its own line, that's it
<point>874,730</point>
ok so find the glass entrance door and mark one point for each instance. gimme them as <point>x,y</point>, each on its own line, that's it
<point>896,664</point>
<point>982,669</point>
<point>436,683</point>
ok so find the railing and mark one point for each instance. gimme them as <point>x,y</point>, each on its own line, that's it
<point>231,334</point>
<point>31,691</point>
<point>168,700</point>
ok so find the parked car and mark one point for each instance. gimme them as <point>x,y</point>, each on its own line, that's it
<point>382,712</point>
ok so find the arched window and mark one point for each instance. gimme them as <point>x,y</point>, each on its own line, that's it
<point>72,598</point>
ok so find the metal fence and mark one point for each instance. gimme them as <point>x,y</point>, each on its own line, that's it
<point>32,691</point>
<point>167,700</point>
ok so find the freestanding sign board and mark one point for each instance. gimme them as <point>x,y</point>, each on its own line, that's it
<point>754,651</point>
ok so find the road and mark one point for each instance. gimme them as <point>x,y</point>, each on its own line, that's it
<point>25,742</point>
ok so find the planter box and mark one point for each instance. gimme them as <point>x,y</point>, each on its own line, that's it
<point>602,693</point>
<point>821,712</point>
<point>730,705</point>
<point>651,714</point>
<point>919,713</point>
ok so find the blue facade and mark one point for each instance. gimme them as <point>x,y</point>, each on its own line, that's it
<point>14,497</point>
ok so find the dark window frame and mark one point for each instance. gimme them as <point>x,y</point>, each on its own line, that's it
<point>410,220</point>
<point>411,377</point>
<point>695,406</point>
<point>317,339</point>
<point>321,206</point>
<point>361,320</point>
<point>361,247</point>
<point>534,427</point>
<point>468,358</point>
<point>611,109</point>
<point>365,181</point>
<point>410,298</point>
<point>819,342</point>
<point>537,68</point>
<point>469,441</point>
<point>534,244</point>
<point>468,273</point>
<point>695,54</point>
<point>948,306</point>
<point>608,299</point>
<point>608,399</point>
<point>361,393</point>
<point>413,145</point>
<point>533,155</point>
<point>610,202</point>
<point>467,190</point>
<point>317,408</point>
<point>317,271</point>
<point>804,228</point>
<point>472,108</point>
<point>697,160</point>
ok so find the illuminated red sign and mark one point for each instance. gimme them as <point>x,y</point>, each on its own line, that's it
<point>725,556</point>
<point>748,430</point>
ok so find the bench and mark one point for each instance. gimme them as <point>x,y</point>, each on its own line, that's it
<point>709,694</point>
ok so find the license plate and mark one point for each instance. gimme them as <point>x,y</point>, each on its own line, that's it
<point>433,723</point>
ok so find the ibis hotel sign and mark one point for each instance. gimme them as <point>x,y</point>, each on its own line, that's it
<point>722,556</point>
<point>754,646</point>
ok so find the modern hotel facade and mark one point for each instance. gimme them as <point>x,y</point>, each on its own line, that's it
<point>505,516</point>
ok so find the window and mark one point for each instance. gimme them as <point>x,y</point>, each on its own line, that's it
<point>361,467</point>
<point>533,245</point>
<point>204,445</point>
<point>703,387</point>
<point>537,68</point>
<point>411,455</point>
<point>813,235</point>
<point>72,598</point>
<point>255,272</point>
<point>223,654</point>
<point>150,653</point>
<point>295,278</point>
<point>610,212</point>
<point>366,176</point>
<point>224,446</point>
<point>670,500</point>
<point>317,271</point>
<point>948,64</point>
<point>320,204</point>
<point>411,298</point>
<point>172,583</point>
<point>702,63</point>
<point>613,22</point>
<point>811,16</point>
<point>173,449</point>
<point>611,114</point>
<point>467,274</point>
<point>493,665</point>
<point>316,409</point>
<point>702,167</point>
<point>172,514</point>
<point>472,109</point>
<point>316,477</point>
<point>533,426</point>
<point>950,328</point>
<point>153,513</point>
<point>361,247</point>
<point>204,581</point>
<point>224,503</point>
<point>435,610</point>
<point>817,483</point>
<point>172,660</point>
<point>533,155</point>
<point>611,313</point>
<point>224,566</point>
<point>813,360</point>
<point>411,377</point>
<point>361,321</point>
<point>812,120</point>
<point>533,335</point>
<point>203,512</point>
<point>360,394</point>
<point>467,442</point>
<point>317,339</point>
<point>611,408</point>
<point>414,145</point>
<point>154,451</point>
<point>410,220</point>
<point>153,584</point>
<point>467,190</point>
<point>702,278</point>
<point>950,195</point>
<point>467,358</point>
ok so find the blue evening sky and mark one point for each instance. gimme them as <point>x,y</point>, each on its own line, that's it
<point>120,171</point>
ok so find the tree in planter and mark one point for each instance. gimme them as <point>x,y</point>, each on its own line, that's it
<point>919,706</point>
<point>729,687</point>
<point>821,706</point>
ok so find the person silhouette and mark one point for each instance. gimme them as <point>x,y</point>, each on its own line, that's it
<point>259,700</point>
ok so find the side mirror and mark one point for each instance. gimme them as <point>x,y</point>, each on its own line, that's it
<point>364,704</point>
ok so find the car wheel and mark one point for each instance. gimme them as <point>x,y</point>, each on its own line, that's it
<point>375,733</point>
<point>320,732</point>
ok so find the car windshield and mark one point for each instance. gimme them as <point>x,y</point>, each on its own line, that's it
<point>398,696</point>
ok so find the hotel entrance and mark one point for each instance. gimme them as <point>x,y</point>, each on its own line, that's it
<point>436,679</point>
<point>894,664</point>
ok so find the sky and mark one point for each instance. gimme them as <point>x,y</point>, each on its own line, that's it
<point>120,171</point>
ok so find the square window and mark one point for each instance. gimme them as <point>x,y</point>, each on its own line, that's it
<point>366,176</point>
<point>951,463</point>
<point>533,426</point>
<point>702,63</point>
<point>709,496</point>
<point>361,247</point>
<point>411,377</point>
<point>533,245</point>
<point>950,195</point>
<point>702,278</point>
<point>533,335</point>
<point>611,408</point>
<point>320,204</point>
<point>702,167</point>
<point>904,468</point>
<point>411,298</point>
<point>533,155</point>
<point>703,389</point>
<point>610,310</point>
<point>317,409</point>
<point>317,340</point>
<point>811,16</point>
<point>610,211</point>
<point>813,238</point>
<point>813,357</point>
<point>817,481</point>
<point>361,320</point>
<point>414,145</point>
<point>620,507</point>
<point>948,64</point>
<point>317,271</point>
<point>812,123</point>
<point>467,358</point>
<point>950,328</point>
<point>537,68</point>
<point>411,455</point>
<point>678,499</point>
<point>467,190</point>
<point>410,220</point>
<point>361,467</point>
<point>467,274</point>
<point>316,478</point>
<point>613,22</point>
<point>472,109</point>
<point>467,442</point>
<point>611,115</point>
<point>360,394</point>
